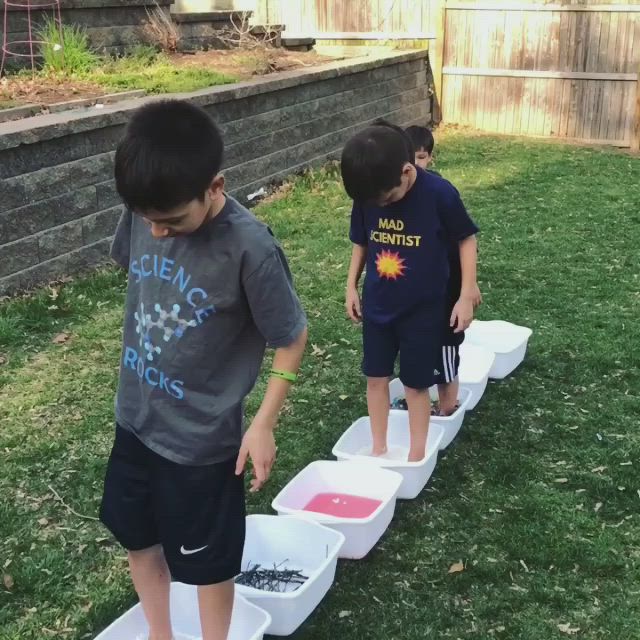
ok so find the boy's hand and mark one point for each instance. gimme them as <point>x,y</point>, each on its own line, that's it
<point>352,304</point>
<point>258,444</point>
<point>462,314</point>
<point>474,295</point>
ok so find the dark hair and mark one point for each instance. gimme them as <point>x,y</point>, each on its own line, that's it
<point>421,138</point>
<point>373,160</point>
<point>381,122</point>
<point>169,155</point>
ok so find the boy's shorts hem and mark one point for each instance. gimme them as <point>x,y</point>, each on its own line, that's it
<point>449,364</point>
<point>204,576</point>
<point>415,336</point>
<point>196,513</point>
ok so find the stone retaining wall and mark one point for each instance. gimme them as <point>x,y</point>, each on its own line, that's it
<point>112,26</point>
<point>58,204</point>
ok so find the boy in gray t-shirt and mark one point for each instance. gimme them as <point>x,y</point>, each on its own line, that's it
<point>209,287</point>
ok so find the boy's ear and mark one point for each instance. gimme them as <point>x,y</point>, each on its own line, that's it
<point>217,186</point>
<point>408,167</point>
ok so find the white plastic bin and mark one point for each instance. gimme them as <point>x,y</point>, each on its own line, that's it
<point>352,478</point>
<point>356,440</point>
<point>475,366</point>
<point>508,341</point>
<point>248,623</point>
<point>306,546</point>
<point>451,424</point>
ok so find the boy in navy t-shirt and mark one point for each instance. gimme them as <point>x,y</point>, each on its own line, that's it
<point>402,221</point>
<point>447,378</point>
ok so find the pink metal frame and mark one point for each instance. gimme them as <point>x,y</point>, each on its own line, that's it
<point>9,47</point>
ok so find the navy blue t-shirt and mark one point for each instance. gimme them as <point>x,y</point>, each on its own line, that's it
<point>408,246</point>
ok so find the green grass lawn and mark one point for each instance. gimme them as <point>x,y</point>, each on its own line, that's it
<point>539,496</point>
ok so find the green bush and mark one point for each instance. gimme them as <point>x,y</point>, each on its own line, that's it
<point>71,56</point>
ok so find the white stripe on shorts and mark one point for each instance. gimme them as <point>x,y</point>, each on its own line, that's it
<point>452,364</point>
<point>445,363</point>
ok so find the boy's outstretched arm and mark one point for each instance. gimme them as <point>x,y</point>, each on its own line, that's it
<point>259,442</point>
<point>352,303</point>
<point>470,296</point>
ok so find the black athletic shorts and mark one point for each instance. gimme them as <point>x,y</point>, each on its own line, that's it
<point>197,513</point>
<point>447,369</point>
<point>449,357</point>
<point>416,336</point>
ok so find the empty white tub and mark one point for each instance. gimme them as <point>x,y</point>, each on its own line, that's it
<point>451,424</point>
<point>473,374</point>
<point>356,441</point>
<point>357,479</point>
<point>248,623</point>
<point>507,341</point>
<point>306,546</point>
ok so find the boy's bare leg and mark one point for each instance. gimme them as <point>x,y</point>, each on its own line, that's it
<point>419,407</point>
<point>152,581</point>
<point>216,607</point>
<point>448,397</point>
<point>378,404</point>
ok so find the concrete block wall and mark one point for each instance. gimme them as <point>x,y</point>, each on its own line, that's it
<point>58,204</point>
<point>112,26</point>
<point>202,30</point>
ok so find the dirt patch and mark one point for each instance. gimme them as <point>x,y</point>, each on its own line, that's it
<point>19,90</point>
<point>45,90</point>
<point>246,64</point>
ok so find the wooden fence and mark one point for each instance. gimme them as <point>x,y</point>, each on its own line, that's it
<point>568,71</point>
<point>559,70</point>
<point>352,19</point>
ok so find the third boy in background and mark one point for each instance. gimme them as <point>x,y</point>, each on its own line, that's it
<point>452,338</point>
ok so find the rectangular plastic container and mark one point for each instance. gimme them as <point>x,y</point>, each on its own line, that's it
<point>305,545</point>
<point>475,365</point>
<point>415,475</point>
<point>354,478</point>
<point>248,623</point>
<point>450,424</point>
<point>507,340</point>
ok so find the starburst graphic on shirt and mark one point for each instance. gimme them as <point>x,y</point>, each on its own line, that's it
<point>390,265</point>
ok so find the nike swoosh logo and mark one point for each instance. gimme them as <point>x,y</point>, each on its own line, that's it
<point>189,552</point>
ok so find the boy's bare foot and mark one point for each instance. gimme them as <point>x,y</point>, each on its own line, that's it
<point>378,452</point>
<point>416,456</point>
<point>447,412</point>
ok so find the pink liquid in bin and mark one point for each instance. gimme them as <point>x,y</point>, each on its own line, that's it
<point>342,505</point>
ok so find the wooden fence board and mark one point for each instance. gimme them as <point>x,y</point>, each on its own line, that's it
<point>565,70</point>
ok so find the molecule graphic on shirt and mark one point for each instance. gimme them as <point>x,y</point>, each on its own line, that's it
<point>169,322</point>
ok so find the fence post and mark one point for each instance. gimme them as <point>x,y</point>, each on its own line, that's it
<point>635,131</point>
<point>436,56</point>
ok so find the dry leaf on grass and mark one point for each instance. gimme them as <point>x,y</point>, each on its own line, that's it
<point>344,614</point>
<point>568,629</point>
<point>456,567</point>
<point>43,522</point>
<point>343,397</point>
<point>8,581</point>
<point>561,480</point>
<point>597,507</point>
<point>317,351</point>
<point>61,338</point>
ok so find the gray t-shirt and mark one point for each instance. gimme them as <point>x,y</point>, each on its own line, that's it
<point>200,310</point>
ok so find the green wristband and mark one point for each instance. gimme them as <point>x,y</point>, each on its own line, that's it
<point>284,375</point>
